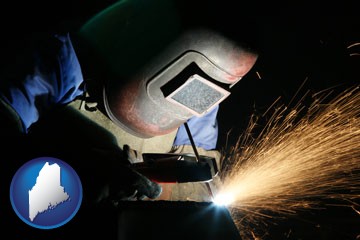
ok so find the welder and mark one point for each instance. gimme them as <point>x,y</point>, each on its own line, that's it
<point>147,70</point>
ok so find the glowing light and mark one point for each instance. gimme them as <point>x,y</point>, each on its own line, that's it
<point>301,156</point>
<point>224,199</point>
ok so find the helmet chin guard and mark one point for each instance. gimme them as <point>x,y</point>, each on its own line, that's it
<point>162,74</point>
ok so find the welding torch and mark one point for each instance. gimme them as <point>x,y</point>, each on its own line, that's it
<point>178,168</point>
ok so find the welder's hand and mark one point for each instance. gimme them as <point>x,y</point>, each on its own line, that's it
<point>121,182</point>
<point>132,155</point>
<point>128,184</point>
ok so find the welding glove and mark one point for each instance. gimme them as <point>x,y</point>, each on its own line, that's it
<point>121,182</point>
<point>128,184</point>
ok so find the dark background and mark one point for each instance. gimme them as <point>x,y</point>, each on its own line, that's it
<point>295,41</point>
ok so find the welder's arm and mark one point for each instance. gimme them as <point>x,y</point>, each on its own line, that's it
<point>204,131</point>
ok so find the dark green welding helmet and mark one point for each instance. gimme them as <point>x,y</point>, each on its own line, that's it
<point>163,72</point>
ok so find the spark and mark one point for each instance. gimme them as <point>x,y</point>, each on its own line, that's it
<point>258,74</point>
<point>354,54</point>
<point>353,45</point>
<point>300,157</point>
<point>224,199</point>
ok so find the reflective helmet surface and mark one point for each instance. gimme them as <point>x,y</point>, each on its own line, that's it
<point>162,73</point>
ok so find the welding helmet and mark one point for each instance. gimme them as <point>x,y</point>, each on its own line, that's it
<point>163,72</point>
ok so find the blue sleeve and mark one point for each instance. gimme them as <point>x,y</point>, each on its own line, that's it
<point>49,75</point>
<point>204,131</point>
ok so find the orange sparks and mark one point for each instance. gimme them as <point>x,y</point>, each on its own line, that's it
<point>295,160</point>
